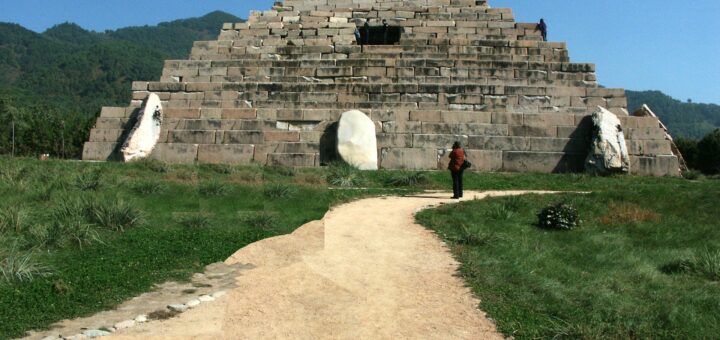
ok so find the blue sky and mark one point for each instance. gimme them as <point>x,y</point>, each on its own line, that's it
<point>640,45</point>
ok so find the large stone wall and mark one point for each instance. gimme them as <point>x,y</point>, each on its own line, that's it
<point>271,90</point>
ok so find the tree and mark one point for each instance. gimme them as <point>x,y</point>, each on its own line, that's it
<point>708,157</point>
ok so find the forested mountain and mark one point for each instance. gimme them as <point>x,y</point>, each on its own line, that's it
<point>64,75</point>
<point>68,73</point>
<point>684,119</point>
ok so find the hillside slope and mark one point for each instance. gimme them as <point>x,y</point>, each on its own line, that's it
<point>687,120</point>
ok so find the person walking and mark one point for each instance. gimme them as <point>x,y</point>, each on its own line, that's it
<point>542,27</point>
<point>457,158</point>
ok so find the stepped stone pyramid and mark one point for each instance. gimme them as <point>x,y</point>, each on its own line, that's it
<point>271,90</point>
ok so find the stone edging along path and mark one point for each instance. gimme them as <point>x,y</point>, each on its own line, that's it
<point>365,271</point>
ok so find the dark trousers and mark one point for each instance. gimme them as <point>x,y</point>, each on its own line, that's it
<point>457,183</point>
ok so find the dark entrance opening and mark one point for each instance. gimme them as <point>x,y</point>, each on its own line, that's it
<point>380,35</point>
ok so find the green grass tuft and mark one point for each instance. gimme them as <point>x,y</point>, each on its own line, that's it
<point>115,215</point>
<point>344,175</point>
<point>14,219</point>
<point>213,188</point>
<point>408,180</point>
<point>278,191</point>
<point>17,266</point>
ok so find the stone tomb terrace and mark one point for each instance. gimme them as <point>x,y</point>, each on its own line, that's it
<point>271,90</point>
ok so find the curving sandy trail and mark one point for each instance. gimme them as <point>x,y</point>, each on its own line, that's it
<point>366,271</point>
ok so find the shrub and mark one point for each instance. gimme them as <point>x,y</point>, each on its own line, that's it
<point>692,175</point>
<point>560,216</point>
<point>88,181</point>
<point>115,215</point>
<point>14,219</point>
<point>212,188</point>
<point>148,187</point>
<point>18,266</point>
<point>708,157</point>
<point>194,220</point>
<point>689,150</point>
<point>344,175</point>
<point>278,191</point>
<point>407,180</point>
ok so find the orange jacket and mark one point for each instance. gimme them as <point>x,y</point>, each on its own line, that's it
<point>457,158</point>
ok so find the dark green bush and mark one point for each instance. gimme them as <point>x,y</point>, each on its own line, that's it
<point>689,150</point>
<point>708,157</point>
<point>560,216</point>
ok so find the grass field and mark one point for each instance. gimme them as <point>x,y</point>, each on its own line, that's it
<point>77,238</point>
<point>645,262</point>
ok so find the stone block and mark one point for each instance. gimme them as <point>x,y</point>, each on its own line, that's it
<point>408,158</point>
<point>555,162</point>
<point>113,112</point>
<point>106,135</point>
<point>174,112</point>
<point>503,143</point>
<point>99,151</point>
<point>292,159</point>
<point>438,141</point>
<point>175,153</point>
<point>191,137</point>
<point>243,137</point>
<point>507,118</point>
<point>394,140</point>
<point>282,136</point>
<point>533,131</point>
<point>651,133</point>
<point>658,166</point>
<point>226,154</point>
<point>482,160</point>
<point>568,145</point>
<point>238,113</point>
<point>548,119</point>
<point>426,116</point>
<point>466,117</point>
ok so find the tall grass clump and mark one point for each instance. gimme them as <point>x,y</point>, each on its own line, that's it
<point>88,181</point>
<point>278,190</point>
<point>152,165</point>
<point>259,219</point>
<point>342,174</point>
<point>115,215</point>
<point>13,219</point>
<point>407,180</point>
<point>193,220</point>
<point>707,264</point>
<point>16,265</point>
<point>213,188</point>
<point>223,169</point>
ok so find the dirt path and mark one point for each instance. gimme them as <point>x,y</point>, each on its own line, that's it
<point>366,271</point>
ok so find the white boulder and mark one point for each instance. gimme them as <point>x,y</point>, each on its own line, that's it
<point>146,133</point>
<point>357,141</point>
<point>608,151</point>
